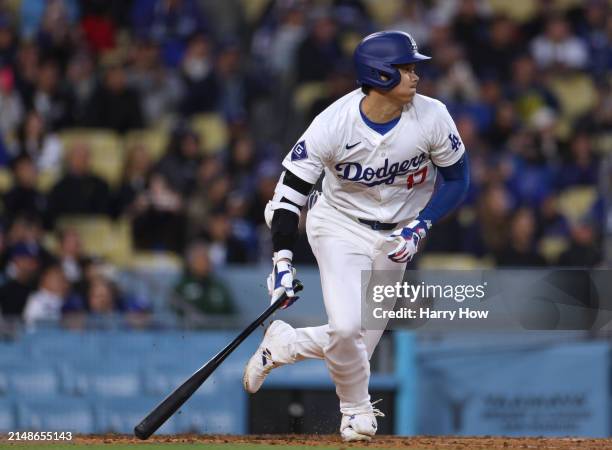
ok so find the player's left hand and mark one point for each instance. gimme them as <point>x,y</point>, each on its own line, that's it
<point>407,239</point>
<point>280,281</point>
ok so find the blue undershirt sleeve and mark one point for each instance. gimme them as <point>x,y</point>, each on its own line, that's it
<point>452,191</point>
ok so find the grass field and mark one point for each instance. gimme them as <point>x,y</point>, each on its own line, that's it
<point>299,442</point>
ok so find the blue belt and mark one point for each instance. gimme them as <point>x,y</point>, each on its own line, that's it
<point>376,225</point>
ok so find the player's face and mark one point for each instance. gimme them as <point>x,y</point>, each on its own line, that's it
<point>405,90</point>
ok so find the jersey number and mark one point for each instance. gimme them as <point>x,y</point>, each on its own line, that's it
<point>416,178</point>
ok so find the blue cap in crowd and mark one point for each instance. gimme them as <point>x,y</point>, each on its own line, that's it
<point>21,249</point>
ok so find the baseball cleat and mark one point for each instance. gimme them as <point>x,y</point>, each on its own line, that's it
<point>273,352</point>
<point>359,427</point>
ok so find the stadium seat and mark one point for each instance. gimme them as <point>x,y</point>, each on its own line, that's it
<point>308,93</point>
<point>212,130</point>
<point>6,180</point>
<point>576,94</point>
<point>520,11</point>
<point>576,202</point>
<point>156,260</point>
<point>120,415</point>
<point>551,247</point>
<point>46,180</point>
<point>8,418</point>
<point>55,414</point>
<point>154,140</point>
<point>349,42</point>
<point>452,261</point>
<point>603,143</point>
<point>101,236</point>
<point>106,148</point>
<point>120,249</point>
<point>253,9</point>
<point>384,13</point>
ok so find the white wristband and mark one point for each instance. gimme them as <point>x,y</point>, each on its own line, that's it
<point>283,254</point>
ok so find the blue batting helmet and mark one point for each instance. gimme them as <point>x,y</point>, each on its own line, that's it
<point>379,53</point>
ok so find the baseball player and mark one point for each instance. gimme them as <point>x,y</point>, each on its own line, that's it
<point>381,148</point>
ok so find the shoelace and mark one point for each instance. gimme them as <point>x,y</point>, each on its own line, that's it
<point>377,412</point>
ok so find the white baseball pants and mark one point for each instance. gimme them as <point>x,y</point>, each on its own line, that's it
<point>344,248</point>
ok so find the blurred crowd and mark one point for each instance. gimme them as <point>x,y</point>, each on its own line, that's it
<point>528,83</point>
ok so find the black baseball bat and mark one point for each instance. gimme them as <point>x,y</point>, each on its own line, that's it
<point>180,395</point>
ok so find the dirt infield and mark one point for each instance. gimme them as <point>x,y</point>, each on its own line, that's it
<point>421,443</point>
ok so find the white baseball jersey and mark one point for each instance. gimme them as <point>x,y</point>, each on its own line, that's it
<point>389,178</point>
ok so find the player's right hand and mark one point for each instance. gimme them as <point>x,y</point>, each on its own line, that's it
<point>280,281</point>
<point>407,239</point>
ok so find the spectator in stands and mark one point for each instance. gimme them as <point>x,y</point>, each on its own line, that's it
<point>320,50</point>
<point>339,82</point>
<point>199,292</point>
<point>519,250</point>
<point>72,259</point>
<point>550,221</point>
<point>237,206</point>
<point>584,249</point>
<point>79,191</point>
<point>131,196</point>
<point>48,97</point>
<point>102,297</point>
<point>276,43</point>
<point>98,24</point>
<point>454,78</point>
<point>169,22</point>
<point>34,140</point>
<point>598,120</point>
<point>489,232</point>
<point>46,304</point>
<point>26,67</point>
<point>224,246</point>
<point>531,177</point>
<point>23,197</point>
<point>266,179</point>
<point>81,78</point>
<point>242,162</point>
<point>238,87</point>
<point>7,41</point>
<point>28,229</point>
<point>117,105</point>
<point>558,47</point>
<point>494,55</point>
<point>160,89</point>
<point>159,222</point>
<point>201,89</point>
<point>11,106</point>
<point>210,194</point>
<point>58,35</point>
<point>21,274</point>
<point>413,19</point>
<point>595,29</point>
<point>180,164</point>
<point>582,166</point>
<point>527,90</point>
<point>505,123</point>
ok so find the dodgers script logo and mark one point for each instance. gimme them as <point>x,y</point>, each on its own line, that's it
<point>299,151</point>
<point>353,171</point>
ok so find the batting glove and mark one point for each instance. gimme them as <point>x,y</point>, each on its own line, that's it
<point>407,239</point>
<point>281,279</point>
